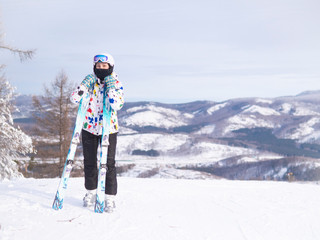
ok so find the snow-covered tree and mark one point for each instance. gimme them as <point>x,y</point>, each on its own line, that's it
<point>13,142</point>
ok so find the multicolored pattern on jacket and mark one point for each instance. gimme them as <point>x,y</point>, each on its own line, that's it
<point>94,116</point>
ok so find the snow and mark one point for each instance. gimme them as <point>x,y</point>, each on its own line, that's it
<point>124,130</point>
<point>174,148</point>
<point>261,100</point>
<point>213,151</point>
<point>163,209</point>
<point>246,121</point>
<point>151,115</point>
<point>306,131</point>
<point>315,135</point>
<point>162,142</point>
<point>206,129</point>
<point>261,110</point>
<point>13,141</point>
<point>167,171</point>
<point>298,109</point>
<point>188,115</point>
<point>248,159</point>
<point>151,107</point>
<point>285,108</point>
<point>136,109</point>
<point>302,111</point>
<point>216,108</point>
<point>260,157</point>
<point>282,172</point>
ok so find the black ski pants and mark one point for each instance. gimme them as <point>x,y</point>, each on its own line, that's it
<point>90,143</point>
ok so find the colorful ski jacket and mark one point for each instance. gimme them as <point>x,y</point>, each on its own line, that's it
<point>94,115</point>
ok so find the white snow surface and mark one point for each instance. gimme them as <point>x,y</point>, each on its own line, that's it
<point>302,111</point>
<point>151,115</point>
<point>174,148</point>
<point>261,110</point>
<point>213,151</point>
<point>216,107</point>
<point>306,131</point>
<point>286,108</point>
<point>261,100</point>
<point>206,129</point>
<point>163,209</point>
<point>246,121</point>
<point>148,141</point>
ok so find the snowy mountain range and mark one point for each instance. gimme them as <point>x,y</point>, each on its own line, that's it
<point>294,117</point>
<point>203,135</point>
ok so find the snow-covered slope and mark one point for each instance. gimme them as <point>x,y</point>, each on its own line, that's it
<point>152,115</point>
<point>180,148</point>
<point>163,209</point>
<point>245,121</point>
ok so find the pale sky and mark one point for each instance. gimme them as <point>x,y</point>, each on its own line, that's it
<point>171,50</point>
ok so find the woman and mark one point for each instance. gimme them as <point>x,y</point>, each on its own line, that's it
<point>92,127</point>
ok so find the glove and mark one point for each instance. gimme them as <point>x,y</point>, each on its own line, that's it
<point>110,82</point>
<point>88,81</point>
<point>77,94</point>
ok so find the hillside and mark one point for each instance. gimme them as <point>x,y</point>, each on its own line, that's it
<point>159,136</point>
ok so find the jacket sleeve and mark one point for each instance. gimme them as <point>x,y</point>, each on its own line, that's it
<point>116,96</point>
<point>84,87</point>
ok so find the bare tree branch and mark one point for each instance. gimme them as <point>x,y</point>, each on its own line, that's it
<point>23,54</point>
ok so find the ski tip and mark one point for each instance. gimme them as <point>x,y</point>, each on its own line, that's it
<point>55,207</point>
<point>99,207</point>
<point>57,203</point>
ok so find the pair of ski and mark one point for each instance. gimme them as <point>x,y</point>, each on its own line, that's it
<point>82,110</point>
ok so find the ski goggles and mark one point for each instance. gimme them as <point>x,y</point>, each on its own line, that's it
<point>100,58</point>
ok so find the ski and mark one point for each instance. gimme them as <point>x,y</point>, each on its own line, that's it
<point>82,110</point>
<point>99,206</point>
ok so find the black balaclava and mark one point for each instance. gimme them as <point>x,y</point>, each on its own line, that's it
<point>102,73</point>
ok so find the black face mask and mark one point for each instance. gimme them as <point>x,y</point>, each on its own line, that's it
<point>102,73</point>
